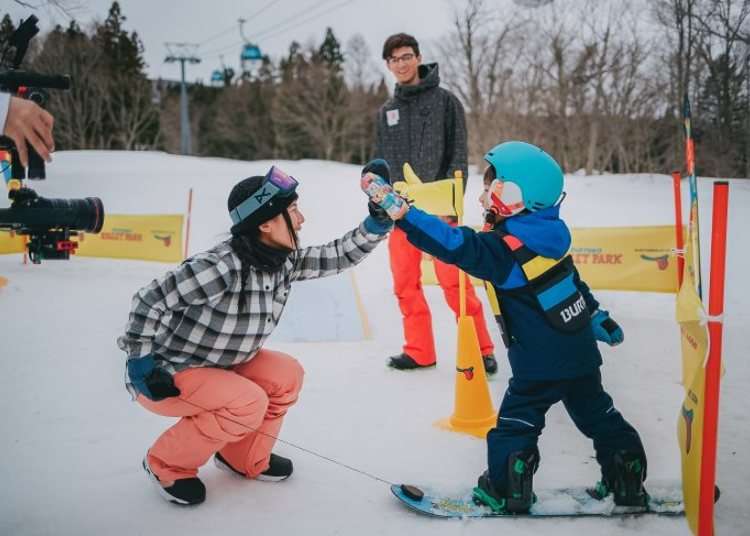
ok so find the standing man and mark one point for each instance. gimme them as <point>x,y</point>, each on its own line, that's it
<point>424,125</point>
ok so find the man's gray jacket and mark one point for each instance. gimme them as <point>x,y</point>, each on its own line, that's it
<point>425,126</point>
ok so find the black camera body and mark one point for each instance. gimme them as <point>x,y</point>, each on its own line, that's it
<point>49,223</point>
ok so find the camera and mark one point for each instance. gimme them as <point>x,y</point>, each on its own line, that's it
<point>50,224</point>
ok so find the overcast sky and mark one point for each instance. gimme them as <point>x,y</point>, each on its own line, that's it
<point>214,25</point>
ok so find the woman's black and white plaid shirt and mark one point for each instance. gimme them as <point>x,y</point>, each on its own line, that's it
<point>191,317</point>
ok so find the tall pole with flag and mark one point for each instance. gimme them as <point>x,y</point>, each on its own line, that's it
<point>697,426</point>
<point>693,234</point>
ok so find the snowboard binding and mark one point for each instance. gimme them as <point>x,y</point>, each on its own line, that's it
<point>519,495</point>
<point>624,479</point>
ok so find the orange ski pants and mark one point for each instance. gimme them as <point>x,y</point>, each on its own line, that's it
<point>417,321</point>
<point>237,412</point>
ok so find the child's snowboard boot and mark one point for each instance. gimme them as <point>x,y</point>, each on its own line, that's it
<point>624,479</point>
<point>518,496</point>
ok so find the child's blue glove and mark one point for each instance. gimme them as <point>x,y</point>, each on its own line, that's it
<point>606,329</point>
<point>150,380</point>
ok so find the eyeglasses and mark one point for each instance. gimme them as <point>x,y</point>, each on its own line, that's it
<point>393,60</point>
<point>276,184</point>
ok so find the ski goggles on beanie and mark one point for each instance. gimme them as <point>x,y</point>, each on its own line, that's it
<point>276,193</point>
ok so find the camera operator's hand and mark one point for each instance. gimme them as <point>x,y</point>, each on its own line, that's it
<point>28,122</point>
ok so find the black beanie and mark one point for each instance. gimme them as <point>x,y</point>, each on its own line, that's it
<point>272,208</point>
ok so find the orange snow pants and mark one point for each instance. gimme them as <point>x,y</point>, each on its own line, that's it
<point>407,285</point>
<point>237,412</point>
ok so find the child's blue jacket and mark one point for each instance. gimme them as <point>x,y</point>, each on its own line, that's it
<point>537,350</point>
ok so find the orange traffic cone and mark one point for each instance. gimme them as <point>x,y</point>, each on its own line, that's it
<point>473,412</point>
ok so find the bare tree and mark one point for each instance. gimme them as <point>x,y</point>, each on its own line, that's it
<point>128,106</point>
<point>359,66</point>
<point>359,70</point>
<point>723,28</point>
<point>311,108</point>
<point>79,112</point>
<point>66,7</point>
<point>477,62</point>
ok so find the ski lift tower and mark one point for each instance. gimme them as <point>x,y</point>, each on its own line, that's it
<point>251,58</point>
<point>183,53</point>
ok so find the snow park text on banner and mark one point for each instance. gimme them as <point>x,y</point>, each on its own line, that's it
<point>148,237</point>
<point>615,258</point>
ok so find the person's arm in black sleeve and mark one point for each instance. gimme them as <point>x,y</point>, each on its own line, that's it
<point>456,144</point>
<point>377,151</point>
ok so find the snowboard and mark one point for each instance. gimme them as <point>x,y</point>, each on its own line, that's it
<point>664,500</point>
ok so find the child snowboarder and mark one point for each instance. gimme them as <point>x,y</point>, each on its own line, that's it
<point>549,318</point>
<point>195,339</point>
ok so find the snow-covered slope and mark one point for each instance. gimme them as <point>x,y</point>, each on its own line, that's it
<point>72,441</point>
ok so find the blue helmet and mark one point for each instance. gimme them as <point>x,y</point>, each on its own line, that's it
<point>535,172</point>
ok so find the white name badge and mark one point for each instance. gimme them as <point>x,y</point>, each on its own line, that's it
<point>391,117</point>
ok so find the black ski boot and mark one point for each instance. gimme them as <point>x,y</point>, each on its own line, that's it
<point>490,364</point>
<point>624,479</point>
<point>279,468</point>
<point>521,468</point>
<point>406,362</point>
<point>183,491</point>
<point>518,496</point>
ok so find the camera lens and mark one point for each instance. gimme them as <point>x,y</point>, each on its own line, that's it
<point>79,214</point>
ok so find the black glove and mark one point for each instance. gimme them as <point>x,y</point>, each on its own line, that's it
<point>150,380</point>
<point>379,167</point>
<point>161,384</point>
<point>379,214</point>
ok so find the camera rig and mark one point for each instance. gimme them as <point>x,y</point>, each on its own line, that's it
<point>50,224</point>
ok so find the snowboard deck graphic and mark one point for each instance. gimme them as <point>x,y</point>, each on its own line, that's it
<point>664,500</point>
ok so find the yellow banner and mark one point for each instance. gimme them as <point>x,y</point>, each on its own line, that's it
<point>615,258</point>
<point>10,242</point>
<point>626,258</point>
<point>145,237</point>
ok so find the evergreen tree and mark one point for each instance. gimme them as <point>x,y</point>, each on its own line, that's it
<point>330,52</point>
<point>293,63</point>
<point>6,28</point>
<point>74,31</point>
<point>123,51</point>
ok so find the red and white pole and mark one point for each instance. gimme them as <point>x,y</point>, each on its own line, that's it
<point>713,365</point>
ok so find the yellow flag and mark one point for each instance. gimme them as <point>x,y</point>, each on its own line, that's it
<point>694,339</point>
<point>438,198</point>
